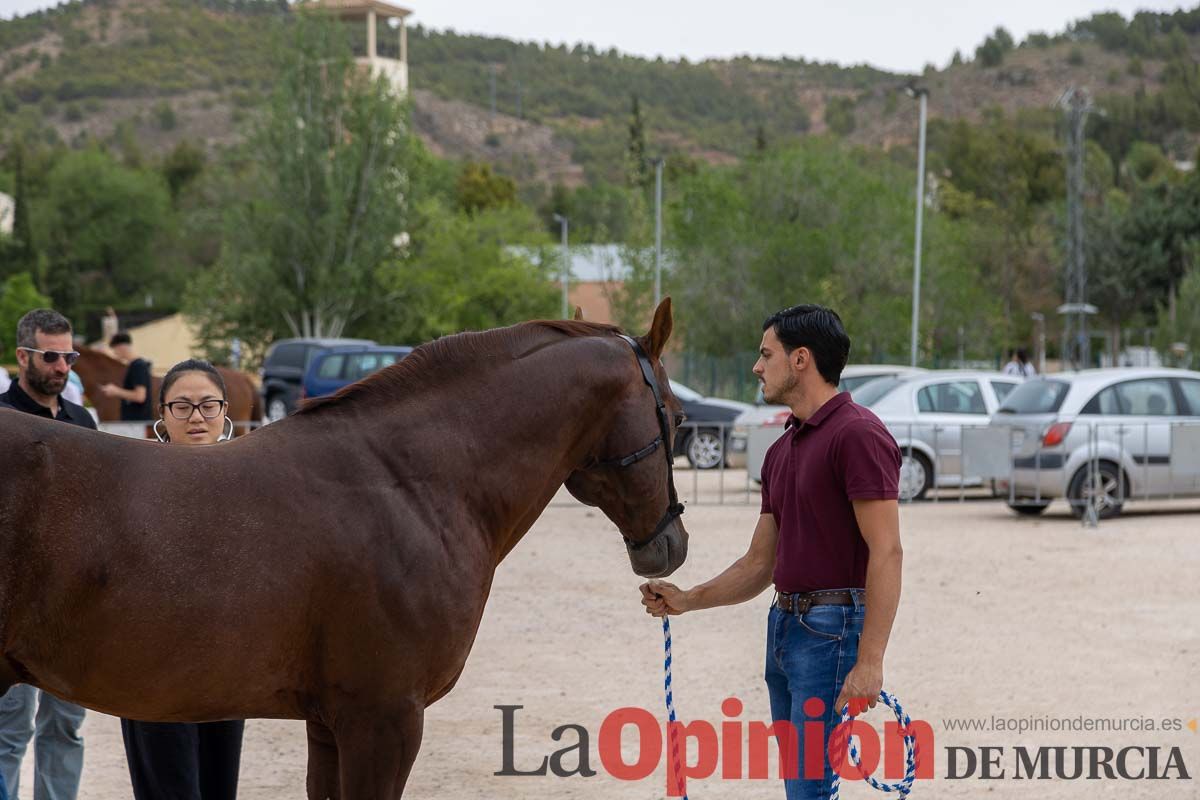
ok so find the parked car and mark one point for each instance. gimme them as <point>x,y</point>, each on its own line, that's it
<point>705,437</point>
<point>926,413</point>
<point>342,366</point>
<point>758,428</point>
<point>283,371</point>
<point>1120,420</point>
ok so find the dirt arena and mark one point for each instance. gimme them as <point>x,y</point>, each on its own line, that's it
<point>1017,618</point>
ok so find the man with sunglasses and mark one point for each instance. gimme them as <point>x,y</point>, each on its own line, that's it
<point>44,357</point>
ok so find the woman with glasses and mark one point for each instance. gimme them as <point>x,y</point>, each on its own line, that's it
<point>187,760</point>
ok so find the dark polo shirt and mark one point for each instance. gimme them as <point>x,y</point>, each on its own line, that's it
<point>16,398</point>
<point>809,478</point>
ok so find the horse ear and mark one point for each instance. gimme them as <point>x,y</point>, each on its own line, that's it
<point>578,314</point>
<point>660,329</point>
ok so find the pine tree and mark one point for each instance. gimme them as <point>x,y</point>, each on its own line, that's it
<point>637,171</point>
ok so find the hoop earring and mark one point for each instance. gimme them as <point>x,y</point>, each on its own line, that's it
<point>161,435</point>
<point>225,437</point>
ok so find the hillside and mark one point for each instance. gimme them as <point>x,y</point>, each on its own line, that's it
<point>157,72</point>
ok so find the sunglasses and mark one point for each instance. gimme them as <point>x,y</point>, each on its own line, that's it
<point>52,356</point>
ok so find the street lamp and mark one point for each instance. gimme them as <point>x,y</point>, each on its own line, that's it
<point>658,181</point>
<point>566,263</point>
<point>922,94</point>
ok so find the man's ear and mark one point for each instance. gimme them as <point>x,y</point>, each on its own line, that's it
<point>660,329</point>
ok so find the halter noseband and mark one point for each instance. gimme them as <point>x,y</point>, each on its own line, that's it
<point>674,507</point>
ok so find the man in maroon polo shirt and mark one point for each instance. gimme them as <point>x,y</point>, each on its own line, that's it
<point>828,537</point>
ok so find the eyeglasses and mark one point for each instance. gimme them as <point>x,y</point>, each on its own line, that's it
<point>182,409</point>
<point>52,356</point>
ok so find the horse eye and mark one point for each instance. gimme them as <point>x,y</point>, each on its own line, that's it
<point>680,419</point>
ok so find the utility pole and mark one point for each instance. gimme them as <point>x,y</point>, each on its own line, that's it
<point>566,264</point>
<point>1075,310</point>
<point>658,250</point>
<point>921,94</point>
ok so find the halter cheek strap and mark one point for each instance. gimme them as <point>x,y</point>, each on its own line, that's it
<point>674,507</point>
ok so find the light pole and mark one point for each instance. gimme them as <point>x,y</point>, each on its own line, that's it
<point>566,263</point>
<point>658,181</point>
<point>921,94</point>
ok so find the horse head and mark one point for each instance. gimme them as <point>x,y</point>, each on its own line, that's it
<point>629,473</point>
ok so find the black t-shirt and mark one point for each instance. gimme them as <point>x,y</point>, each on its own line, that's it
<point>138,374</point>
<point>16,398</point>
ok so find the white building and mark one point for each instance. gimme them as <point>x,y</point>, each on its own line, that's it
<point>384,50</point>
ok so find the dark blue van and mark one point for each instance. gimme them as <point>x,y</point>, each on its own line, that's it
<point>341,366</point>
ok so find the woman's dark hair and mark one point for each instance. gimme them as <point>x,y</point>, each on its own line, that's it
<point>820,330</point>
<point>191,365</point>
<point>119,338</point>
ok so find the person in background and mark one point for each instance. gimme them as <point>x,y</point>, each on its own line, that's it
<point>1019,364</point>
<point>44,357</point>
<point>134,392</point>
<point>187,760</point>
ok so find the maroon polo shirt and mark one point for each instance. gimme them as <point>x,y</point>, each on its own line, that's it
<point>809,478</point>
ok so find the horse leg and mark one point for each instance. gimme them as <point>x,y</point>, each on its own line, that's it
<point>376,751</point>
<point>322,763</point>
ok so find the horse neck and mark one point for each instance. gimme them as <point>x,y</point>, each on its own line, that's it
<point>505,436</point>
<point>95,369</point>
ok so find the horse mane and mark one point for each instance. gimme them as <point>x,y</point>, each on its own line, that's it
<point>415,369</point>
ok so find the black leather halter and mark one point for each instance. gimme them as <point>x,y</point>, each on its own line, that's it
<point>674,508</point>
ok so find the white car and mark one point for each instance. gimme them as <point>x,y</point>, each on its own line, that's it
<point>926,414</point>
<point>1102,436</point>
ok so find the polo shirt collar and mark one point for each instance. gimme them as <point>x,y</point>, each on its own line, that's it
<point>831,405</point>
<point>21,401</point>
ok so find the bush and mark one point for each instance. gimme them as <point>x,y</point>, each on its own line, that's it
<point>164,115</point>
<point>1075,57</point>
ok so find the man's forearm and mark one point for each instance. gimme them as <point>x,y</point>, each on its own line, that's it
<point>743,580</point>
<point>883,596</point>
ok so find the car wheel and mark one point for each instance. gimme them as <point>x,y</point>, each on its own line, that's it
<point>276,408</point>
<point>705,450</point>
<point>916,475</point>
<point>1101,488</point>
<point>1029,509</point>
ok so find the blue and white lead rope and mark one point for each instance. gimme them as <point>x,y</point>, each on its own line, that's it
<point>672,733</point>
<point>904,786</point>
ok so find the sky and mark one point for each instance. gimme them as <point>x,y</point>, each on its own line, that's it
<point>897,35</point>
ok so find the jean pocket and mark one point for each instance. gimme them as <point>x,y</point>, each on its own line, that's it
<point>827,622</point>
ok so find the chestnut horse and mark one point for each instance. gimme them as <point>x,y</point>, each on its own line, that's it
<point>96,368</point>
<point>334,566</point>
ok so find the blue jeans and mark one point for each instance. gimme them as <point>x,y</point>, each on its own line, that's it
<point>58,747</point>
<point>809,656</point>
<point>3,788</point>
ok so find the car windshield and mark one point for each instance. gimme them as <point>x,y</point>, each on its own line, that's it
<point>1038,396</point>
<point>685,394</point>
<point>872,392</point>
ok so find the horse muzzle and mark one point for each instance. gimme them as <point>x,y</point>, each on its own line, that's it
<point>662,556</point>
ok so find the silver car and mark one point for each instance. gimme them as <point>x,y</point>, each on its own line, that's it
<point>1101,437</point>
<point>926,414</point>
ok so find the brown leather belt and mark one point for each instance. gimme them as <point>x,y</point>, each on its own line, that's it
<point>800,602</point>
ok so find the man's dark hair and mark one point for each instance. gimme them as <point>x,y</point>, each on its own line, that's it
<point>820,330</point>
<point>120,337</point>
<point>1022,356</point>
<point>40,320</point>
<point>191,365</point>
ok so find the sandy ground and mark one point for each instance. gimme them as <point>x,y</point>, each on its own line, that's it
<point>1001,616</point>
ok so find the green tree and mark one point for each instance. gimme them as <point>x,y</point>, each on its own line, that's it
<point>323,202</point>
<point>479,188</point>
<point>18,294</point>
<point>460,274</point>
<point>97,227</point>
<point>637,169</point>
